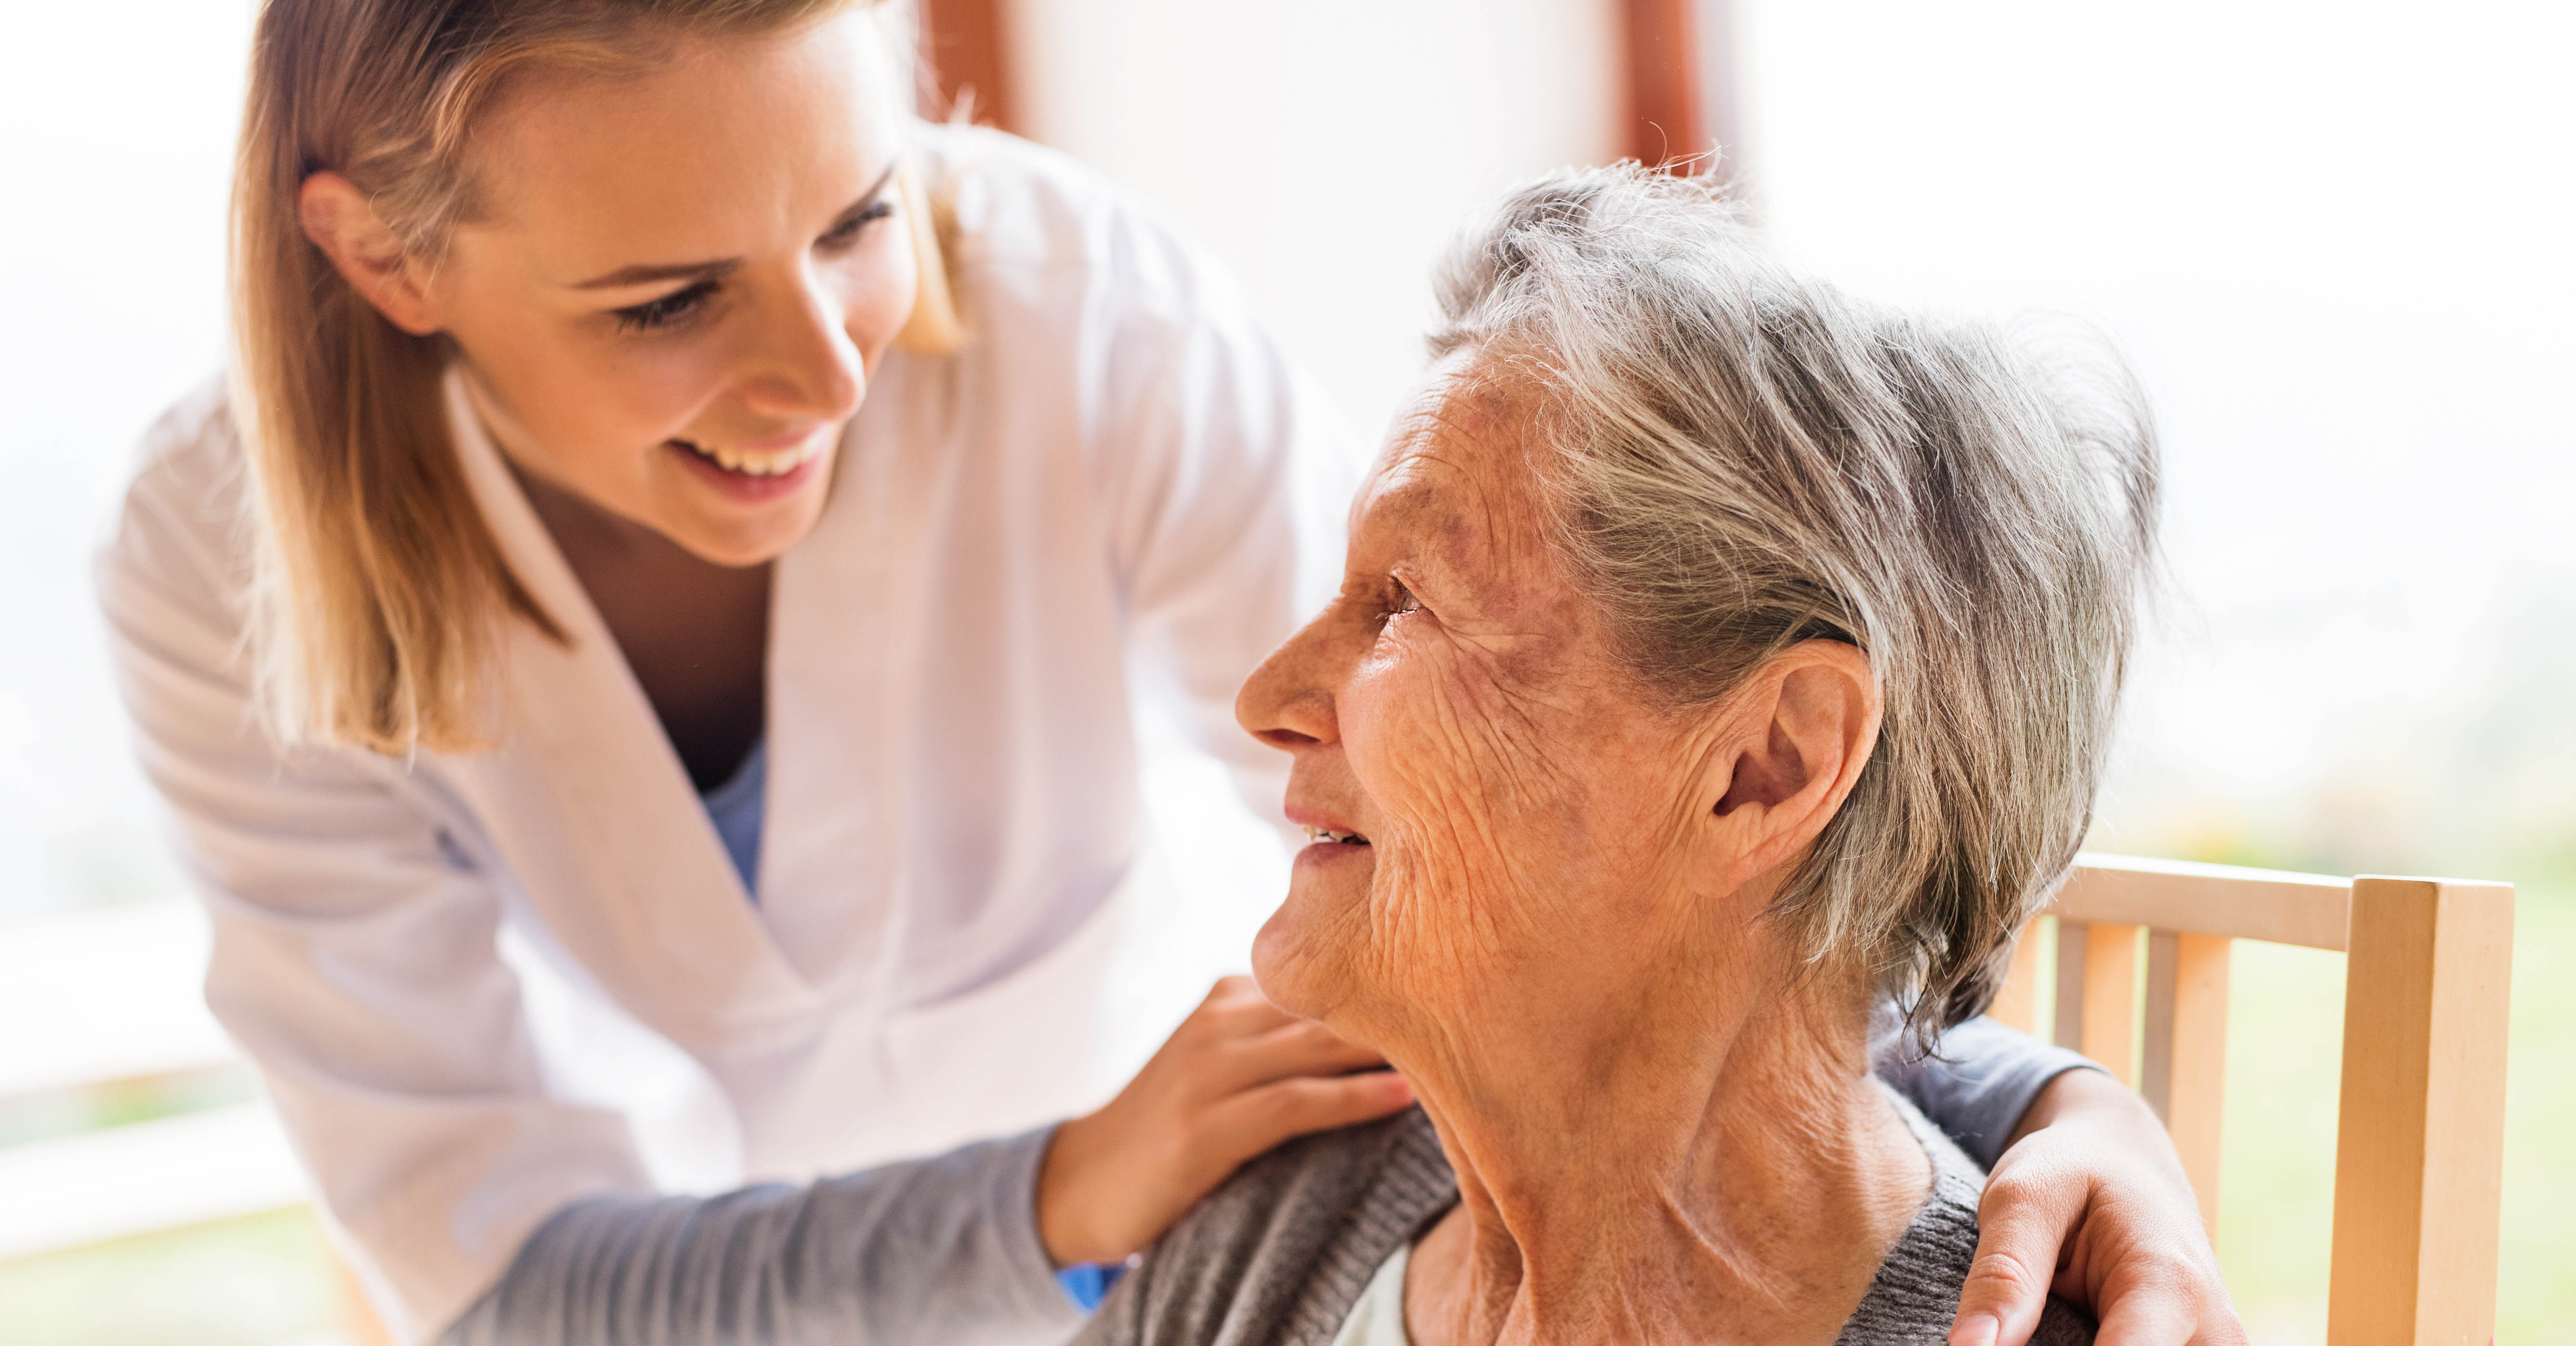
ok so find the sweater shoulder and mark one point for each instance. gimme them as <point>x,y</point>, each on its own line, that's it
<point>1915,1294</point>
<point>1279,1254</point>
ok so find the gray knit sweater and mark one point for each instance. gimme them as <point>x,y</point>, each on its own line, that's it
<point>1278,1256</point>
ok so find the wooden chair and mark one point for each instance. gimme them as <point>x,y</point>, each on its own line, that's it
<point>2419,1140</point>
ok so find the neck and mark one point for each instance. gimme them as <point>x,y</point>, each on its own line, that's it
<point>1728,1173</point>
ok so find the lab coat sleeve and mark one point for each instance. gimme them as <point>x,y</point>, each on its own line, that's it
<point>354,951</point>
<point>356,962</point>
<point>1981,1079</point>
<point>934,1250</point>
<point>1226,476</point>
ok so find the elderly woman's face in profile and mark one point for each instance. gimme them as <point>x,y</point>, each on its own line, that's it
<point>1496,794</point>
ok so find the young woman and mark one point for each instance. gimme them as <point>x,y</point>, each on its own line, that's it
<point>678,517</point>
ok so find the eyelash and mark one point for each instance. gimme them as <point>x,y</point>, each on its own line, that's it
<point>662,312</point>
<point>1404,601</point>
<point>848,231</point>
<point>654,314</point>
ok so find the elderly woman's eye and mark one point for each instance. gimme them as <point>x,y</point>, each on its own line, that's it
<point>1401,601</point>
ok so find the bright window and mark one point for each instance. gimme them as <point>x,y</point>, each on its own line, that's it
<point>2334,240</point>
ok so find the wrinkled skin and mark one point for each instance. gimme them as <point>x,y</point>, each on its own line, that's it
<point>1663,1127</point>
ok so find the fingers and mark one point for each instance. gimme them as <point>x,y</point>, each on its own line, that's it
<point>2000,1304</point>
<point>1234,1008</point>
<point>2093,1204</point>
<point>2141,1320</point>
<point>1237,1040</point>
<point>1255,1120</point>
<point>2151,1294</point>
<point>1236,1078</point>
<point>1302,1047</point>
<point>2020,1228</point>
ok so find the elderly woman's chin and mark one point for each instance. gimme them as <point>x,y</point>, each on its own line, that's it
<point>1304,956</point>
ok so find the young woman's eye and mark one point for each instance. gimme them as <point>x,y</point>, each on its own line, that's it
<point>848,230</point>
<point>662,312</point>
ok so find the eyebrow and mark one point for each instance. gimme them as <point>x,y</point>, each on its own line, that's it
<point>653,273</point>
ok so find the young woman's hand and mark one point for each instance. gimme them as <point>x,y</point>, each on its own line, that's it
<point>1237,1077</point>
<point>2090,1200</point>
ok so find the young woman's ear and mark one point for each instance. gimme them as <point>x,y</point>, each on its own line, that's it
<point>341,222</point>
<point>1798,733</point>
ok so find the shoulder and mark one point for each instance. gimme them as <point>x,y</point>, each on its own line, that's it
<point>1032,229</point>
<point>1281,1252</point>
<point>1916,1292</point>
<point>193,450</point>
<point>182,527</point>
<point>1100,342</point>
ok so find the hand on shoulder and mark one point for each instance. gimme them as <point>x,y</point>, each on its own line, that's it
<point>1238,1076</point>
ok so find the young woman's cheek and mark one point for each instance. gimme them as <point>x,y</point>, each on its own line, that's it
<point>878,283</point>
<point>660,385</point>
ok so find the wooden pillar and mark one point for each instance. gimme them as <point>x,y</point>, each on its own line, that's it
<point>2017,1005</point>
<point>966,54</point>
<point>2110,999</point>
<point>2419,1144</point>
<point>1667,115</point>
<point>2183,1071</point>
<point>2066,1028</point>
<point>359,1325</point>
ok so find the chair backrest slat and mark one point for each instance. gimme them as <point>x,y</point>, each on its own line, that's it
<point>2419,1143</point>
<point>2419,1129</point>
<point>2284,908</point>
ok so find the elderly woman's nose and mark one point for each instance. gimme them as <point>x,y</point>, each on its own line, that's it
<point>1285,702</point>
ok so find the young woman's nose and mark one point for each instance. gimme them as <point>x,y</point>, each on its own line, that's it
<point>804,364</point>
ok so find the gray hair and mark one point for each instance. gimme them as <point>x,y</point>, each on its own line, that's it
<point>1735,457</point>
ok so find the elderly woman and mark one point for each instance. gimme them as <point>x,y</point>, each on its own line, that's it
<point>1720,661</point>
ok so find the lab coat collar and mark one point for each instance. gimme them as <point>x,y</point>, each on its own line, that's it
<point>595,813</point>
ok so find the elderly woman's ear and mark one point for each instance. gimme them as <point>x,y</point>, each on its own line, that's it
<point>1790,744</point>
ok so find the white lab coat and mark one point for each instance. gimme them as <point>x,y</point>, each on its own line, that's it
<point>1107,477</point>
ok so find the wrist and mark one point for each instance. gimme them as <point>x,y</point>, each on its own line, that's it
<point>1063,1226</point>
<point>2091,1100</point>
<point>2079,1092</point>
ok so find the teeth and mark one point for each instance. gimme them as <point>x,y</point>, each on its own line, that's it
<point>1326,834</point>
<point>759,463</point>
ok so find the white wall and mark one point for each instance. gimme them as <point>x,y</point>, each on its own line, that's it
<point>116,129</point>
<point>2334,238</point>
<point>1324,149</point>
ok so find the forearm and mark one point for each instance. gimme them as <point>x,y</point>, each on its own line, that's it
<point>1982,1087</point>
<point>943,1249</point>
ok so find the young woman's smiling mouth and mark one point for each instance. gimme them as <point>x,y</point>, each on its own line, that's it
<point>758,472</point>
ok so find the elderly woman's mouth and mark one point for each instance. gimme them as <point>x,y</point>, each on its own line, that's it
<point>1329,837</point>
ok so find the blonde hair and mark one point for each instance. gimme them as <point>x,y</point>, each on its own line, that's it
<point>380,595</point>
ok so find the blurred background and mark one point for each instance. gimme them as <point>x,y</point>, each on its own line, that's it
<point>2332,237</point>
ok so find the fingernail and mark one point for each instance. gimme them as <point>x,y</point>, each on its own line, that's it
<point>1977,1330</point>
